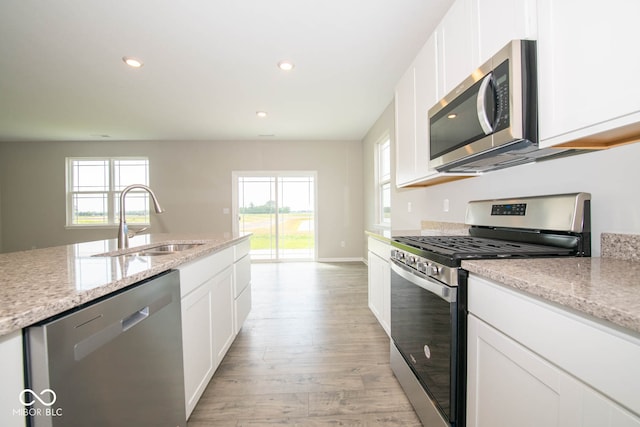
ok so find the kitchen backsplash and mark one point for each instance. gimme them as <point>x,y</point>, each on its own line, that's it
<point>437,228</point>
<point>621,246</point>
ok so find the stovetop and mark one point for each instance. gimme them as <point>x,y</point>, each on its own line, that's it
<point>526,227</point>
<point>451,250</point>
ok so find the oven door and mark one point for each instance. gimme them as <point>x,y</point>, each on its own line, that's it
<point>424,329</point>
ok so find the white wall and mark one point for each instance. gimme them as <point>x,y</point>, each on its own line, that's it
<point>611,176</point>
<point>382,128</point>
<point>192,181</point>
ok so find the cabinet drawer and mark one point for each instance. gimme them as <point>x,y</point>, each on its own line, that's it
<point>242,275</point>
<point>199,271</point>
<point>241,249</point>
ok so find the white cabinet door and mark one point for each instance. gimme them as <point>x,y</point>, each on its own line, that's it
<point>588,67</point>
<point>380,283</point>
<point>405,105</point>
<point>11,372</point>
<point>426,96</point>
<point>508,384</point>
<point>497,22</point>
<point>455,46</point>
<point>223,314</point>
<point>197,343</point>
<point>375,285</point>
<point>386,297</point>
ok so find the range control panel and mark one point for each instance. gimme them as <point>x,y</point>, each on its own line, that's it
<point>518,209</point>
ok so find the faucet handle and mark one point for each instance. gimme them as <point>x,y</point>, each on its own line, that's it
<point>133,233</point>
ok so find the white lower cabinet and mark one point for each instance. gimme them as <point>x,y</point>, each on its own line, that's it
<point>197,343</point>
<point>11,372</point>
<point>212,315</point>
<point>512,380</point>
<point>380,282</point>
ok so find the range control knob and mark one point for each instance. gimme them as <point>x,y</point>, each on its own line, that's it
<point>432,270</point>
<point>421,267</point>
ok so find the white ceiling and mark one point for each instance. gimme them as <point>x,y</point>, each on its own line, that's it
<point>209,66</point>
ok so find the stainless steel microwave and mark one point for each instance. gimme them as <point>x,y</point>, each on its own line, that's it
<point>490,121</point>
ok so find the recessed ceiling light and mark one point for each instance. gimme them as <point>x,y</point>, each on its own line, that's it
<point>261,114</point>
<point>286,65</point>
<point>452,116</point>
<point>132,62</point>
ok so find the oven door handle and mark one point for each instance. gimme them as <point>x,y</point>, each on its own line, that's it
<point>433,286</point>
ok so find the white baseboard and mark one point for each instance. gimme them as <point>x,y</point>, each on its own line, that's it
<point>355,259</point>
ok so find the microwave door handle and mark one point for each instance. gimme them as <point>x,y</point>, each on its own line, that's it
<point>481,105</point>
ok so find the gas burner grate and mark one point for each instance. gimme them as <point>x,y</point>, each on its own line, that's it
<point>479,247</point>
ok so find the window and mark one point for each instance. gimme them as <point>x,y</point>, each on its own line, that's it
<point>94,186</point>
<point>383,181</point>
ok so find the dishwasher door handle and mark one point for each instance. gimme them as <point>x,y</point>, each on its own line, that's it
<point>135,318</point>
<point>93,342</point>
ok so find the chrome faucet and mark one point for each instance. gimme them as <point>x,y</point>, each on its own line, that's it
<point>123,230</point>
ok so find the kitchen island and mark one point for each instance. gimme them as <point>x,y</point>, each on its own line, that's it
<point>41,283</point>
<point>38,284</point>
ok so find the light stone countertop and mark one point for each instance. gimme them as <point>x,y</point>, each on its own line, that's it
<point>605,288</point>
<point>40,283</point>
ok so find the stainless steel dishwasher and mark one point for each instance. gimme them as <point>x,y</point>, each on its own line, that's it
<point>115,362</point>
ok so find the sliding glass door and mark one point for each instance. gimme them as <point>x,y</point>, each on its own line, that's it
<point>279,209</point>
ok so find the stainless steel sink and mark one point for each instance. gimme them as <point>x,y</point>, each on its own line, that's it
<point>161,249</point>
<point>166,249</point>
<point>174,247</point>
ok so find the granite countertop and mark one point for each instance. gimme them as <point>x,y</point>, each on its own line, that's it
<point>606,288</point>
<point>382,235</point>
<point>41,283</point>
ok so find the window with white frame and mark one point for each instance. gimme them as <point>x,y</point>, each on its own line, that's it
<point>94,186</point>
<point>383,181</point>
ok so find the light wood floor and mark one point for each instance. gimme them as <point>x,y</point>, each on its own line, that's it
<point>310,354</point>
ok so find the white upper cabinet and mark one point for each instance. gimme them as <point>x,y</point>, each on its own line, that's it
<point>455,46</point>
<point>426,71</point>
<point>588,68</point>
<point>415,94</point>
<point>499,21</point>
<point>405,142</point>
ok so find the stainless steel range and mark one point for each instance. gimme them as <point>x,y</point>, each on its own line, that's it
<point>429,290</point>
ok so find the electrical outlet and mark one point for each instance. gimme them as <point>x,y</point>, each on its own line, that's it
<point>409,207</point>
<point>343,244</point>
<point>445,205</point>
